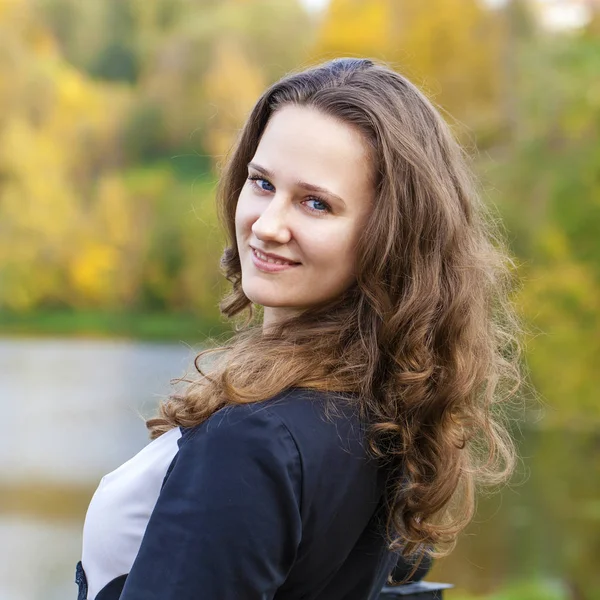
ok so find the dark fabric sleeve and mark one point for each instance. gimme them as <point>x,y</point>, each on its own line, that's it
<point>227,522</point>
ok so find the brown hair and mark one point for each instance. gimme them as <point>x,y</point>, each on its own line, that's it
<point>425,338</point>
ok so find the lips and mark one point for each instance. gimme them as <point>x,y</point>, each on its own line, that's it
<point>268,264</point>
<point>272,258</point>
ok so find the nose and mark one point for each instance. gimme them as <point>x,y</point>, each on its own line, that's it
<point>273,223</point>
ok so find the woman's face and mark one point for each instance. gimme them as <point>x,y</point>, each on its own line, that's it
<point>308,193</point>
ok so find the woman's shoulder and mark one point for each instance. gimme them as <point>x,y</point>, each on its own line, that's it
<point>326,427</point>
<point>316,414</point>
<point>308,439</point>
<point>315,422</point>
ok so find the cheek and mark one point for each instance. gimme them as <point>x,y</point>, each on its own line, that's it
<point>331,249</point>
<point>244,216</point>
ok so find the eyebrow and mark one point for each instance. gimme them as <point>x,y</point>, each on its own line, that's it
<point>303,184</point>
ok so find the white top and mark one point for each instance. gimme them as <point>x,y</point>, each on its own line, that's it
<point>119,511</point>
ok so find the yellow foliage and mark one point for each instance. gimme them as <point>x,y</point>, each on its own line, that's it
<point>450,47</point>
<point>561,301</point>
<point>113,215</point>
<point>232,85</point>
<point>20,298</point>
<point>39,199</point>
<point>19,24</point>
<point>71,88</point>
<point>10,9</point>
<point>56,126</point>
<point>92,270</point>
<point>357,28</point>
<point>43,44</point>
<point>554,244</point>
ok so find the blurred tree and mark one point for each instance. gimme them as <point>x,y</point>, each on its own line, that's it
<point>79,227</point>
<point>451,48</point>
<point>145,134</point>
<point>548,188</point>
<point>167,46</point>
<point>57,132</point>
<point>179,266</point>
<point>117,59</point>
<point>178,65</point>
<point>357,28</point>
<point>561,300</point>
<point>232,85</point>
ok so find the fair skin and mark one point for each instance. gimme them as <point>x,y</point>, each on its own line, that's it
<point>280,211</point>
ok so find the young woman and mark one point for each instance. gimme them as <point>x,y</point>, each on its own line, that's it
<point>349,425</point>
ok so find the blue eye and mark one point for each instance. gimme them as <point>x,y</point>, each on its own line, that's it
<point>321,207</point>
<point>258,181</point>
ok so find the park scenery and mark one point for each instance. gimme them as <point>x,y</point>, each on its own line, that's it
<point>115,119</point>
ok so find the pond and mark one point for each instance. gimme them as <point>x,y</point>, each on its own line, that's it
<point>73,411</point>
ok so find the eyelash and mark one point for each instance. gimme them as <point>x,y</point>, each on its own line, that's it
<point>254,178</point>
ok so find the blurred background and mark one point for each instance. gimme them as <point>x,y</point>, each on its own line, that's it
<point>114,118</point>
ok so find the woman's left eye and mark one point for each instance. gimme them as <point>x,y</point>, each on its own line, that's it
<point>320,205</point>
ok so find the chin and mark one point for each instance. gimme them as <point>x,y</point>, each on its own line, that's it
<point>269,301</point>
<point>263,298</point>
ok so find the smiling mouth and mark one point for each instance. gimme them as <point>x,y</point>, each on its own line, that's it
<point>270,260</point>
<point>266,264</point>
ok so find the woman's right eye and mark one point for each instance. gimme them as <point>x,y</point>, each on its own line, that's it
<point>258,182</point>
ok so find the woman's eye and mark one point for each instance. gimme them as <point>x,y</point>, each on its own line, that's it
<point>319,205</point>
<point>261,183</point>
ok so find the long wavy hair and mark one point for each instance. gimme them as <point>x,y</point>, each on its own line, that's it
<point>425,340</point>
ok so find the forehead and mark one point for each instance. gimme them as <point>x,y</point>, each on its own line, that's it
<point>303,143</point>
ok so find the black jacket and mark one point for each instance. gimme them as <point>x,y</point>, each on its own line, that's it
<point>271,500</point>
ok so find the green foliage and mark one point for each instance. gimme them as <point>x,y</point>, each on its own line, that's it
<point>186,327</point>
<point>115,62</point>
<point>522,590</point>
<point>145,136</point>
<point>548,188</point>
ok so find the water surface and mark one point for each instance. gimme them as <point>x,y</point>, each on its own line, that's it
<point>71,412</point>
